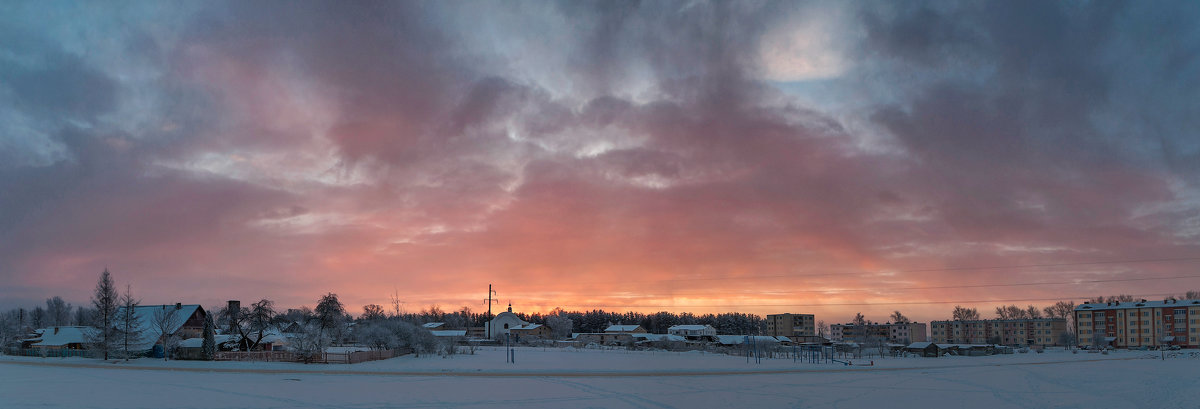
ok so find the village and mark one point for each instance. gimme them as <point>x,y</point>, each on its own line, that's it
<point>121,327</point>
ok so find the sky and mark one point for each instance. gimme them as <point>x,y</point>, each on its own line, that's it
<point>761,157</point>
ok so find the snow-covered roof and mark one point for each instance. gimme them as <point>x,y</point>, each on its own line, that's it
<point>1135,304</point>
<point>688,327</point>
<point>199,342</point>
<point>740,339</point>
<point>432,325</point>
<point>782,338</point>
<point>919,345</point>
<point>621,328</point>
<point>526,327</point>
<point>657,337</point>
<point>449,333</point>
<point>59,336</point>
<point>145,316</point>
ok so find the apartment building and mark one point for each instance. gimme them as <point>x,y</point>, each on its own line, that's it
<point>898,333</point>
<point>791,325</point>
<point>1135,324</point>
<point>1016,332</point>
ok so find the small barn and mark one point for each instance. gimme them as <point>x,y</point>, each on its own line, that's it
<point>924,348</point>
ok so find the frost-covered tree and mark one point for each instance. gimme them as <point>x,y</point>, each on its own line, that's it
<point>376,334</point>
<point>208,348</point>
<point>309,344</point>
<point>560,325</point>
<point>129,327</point>
<point>105,301</point>
<point>166,319</point>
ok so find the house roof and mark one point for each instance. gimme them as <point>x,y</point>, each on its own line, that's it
<point>920,345</point>
<point>740,339</point>
<point>449,333</point>
<point>199,342</point>
<point>688,327</point>
<point>526,327</point>
<point>60,336</point>
<point>145,315</point>
<point>1136,304</point>
<point>622,328</point>
<point>432,325</point>
<point>657,337</point>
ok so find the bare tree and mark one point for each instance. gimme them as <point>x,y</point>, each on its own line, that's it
<point>166,320</point>
<point>822,329</point>
<point>37,317</point>
<point>1033,312</point>
<point>58,312</point>
<point>128,322</point>
<point>373,312</point>
<point>105,300</point>
<point>965,314</point>
<point>258,321</point>
<point>1192,295</point>
<point>899,318</point>
<point>859,319</point>
<point>330,316</point>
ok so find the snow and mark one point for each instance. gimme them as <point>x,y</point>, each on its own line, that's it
<point>60,336</point>
<point>566,377</point>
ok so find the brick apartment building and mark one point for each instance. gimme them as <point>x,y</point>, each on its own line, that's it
<point>897,333</point>
<point>1134,324</point>
<point>1015,332</point>
<point>792,326</point>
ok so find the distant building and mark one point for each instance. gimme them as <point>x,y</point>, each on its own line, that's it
<point>58,338</point>
<point>692,331</point>
<point>189,322</point>
<point>1138,323</point>
<point>1014,332</point>
<point>894,333</point>
<point>503,323</point>
<point>624,329</point>
<point>793,326</point>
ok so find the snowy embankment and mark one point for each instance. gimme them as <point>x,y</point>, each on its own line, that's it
<point>612,379</point>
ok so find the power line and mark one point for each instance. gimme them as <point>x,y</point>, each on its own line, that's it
<point>926,270</point>
<point>1076,282</point>
<point>846,304</point>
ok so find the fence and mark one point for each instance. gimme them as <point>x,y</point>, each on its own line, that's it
<point>324,358</point>
<point>51,353</point>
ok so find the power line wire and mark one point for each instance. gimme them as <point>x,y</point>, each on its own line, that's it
<point>925,270</point>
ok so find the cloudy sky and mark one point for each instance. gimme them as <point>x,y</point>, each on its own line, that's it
<point>683,156</point>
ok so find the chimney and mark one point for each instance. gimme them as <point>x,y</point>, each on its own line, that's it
<point>235,307</point>
<point>179,306</point>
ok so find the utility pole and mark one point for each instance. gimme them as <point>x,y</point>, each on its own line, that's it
<point>488,324</point>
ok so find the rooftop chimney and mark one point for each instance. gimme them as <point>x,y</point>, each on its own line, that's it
<point>234,308</point>
<point>179,306</point>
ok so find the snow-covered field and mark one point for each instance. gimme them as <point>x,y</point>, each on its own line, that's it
<point>557,378</point>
